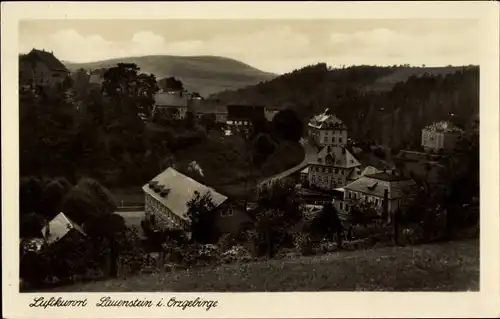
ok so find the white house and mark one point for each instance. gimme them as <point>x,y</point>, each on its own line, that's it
<point>60,227</point>
<point>167,195</point>
<point>327,130</point>
<point>372,188</point>
<point>440,136</point>
<point>332,168</point>
<point>174,104</point>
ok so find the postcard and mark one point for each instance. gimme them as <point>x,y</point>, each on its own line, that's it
<point>250,159</point>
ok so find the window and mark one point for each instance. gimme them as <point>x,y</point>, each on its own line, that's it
<point>346,207</point>
<point>223,213</point>
<point>341,205</point>
<point>229,212</point>
<point>349,194</point>
<point>340,139</point>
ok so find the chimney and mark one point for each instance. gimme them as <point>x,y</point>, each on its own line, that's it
<point>385,204</point>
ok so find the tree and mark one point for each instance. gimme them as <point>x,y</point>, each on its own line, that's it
<point>131,93</point>
<point>263,146</point>
<point>287,125</point>
<point>88,200</point>
<point>279,209</point>
<point>364,213</point>
<point>110,230</point>
<point>52,197</point>
<point>201,215</point>
<point>327,224</point>
<point>30,225</point>
<point>30,195</point>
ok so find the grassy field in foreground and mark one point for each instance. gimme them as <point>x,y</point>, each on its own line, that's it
<point>452,266</point>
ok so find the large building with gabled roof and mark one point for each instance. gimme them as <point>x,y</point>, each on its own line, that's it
<point>332,168</point>
<point>326,129</point>
<point>41,68</point>
<point>167,195</point>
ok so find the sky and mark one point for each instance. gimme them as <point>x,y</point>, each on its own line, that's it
<point>277,46</point>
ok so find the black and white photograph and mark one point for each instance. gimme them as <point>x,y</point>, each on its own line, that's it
<point>249,155</point>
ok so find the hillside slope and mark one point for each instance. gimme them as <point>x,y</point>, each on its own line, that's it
<point>452,266</point>
<point>387,105</point>
<point>203,74</point>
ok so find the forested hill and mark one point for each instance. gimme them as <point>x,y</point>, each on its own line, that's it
<point>389,105</point>
<point>203,74</point>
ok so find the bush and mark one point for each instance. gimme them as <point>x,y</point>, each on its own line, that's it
<point>304,244</point>
<point>236,253</point>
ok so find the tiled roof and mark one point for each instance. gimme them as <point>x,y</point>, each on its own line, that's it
<point>376,184</point>
<point>336,156</point>
<point>171,99</point>
<point>58,227</point>
<point>443,126</point>
<point>181,189</point>
<point>48,59</point>
<point>208,107</point>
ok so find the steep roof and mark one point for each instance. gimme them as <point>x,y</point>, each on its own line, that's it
<point>48,59</point>
<point>59,227</point>
<point>181,189</point>
<point>376,184</point>
<point>208,107</point>
<point>171,99</point>
<point>326,121</point>
<point>336,156</point>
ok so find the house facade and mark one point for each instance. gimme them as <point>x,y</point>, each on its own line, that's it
<point>440,137</point>
<point>211,108</point>
<point>41,68</point>
<point>332,168</point>
<point>59,228</point>
<point>244,115</point>
<point>327,130</point>
<point>172,104</point>
<point>375,189</point>
<point>167,195</point>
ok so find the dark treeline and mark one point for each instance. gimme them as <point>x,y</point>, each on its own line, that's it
<point>394,118</point>
<point>96,131</point>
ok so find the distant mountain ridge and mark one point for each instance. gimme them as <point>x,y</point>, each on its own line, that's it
<point>386,105</point>
<point>203,74</point>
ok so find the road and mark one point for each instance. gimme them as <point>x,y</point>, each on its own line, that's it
<point>310,154</point>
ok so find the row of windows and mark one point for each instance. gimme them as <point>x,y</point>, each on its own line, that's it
<point>324,179</point>
<point>226,213</point>
<point>332,140</point>
<point>160,210</point>
<point>321,169</point>
<point>353,195</point>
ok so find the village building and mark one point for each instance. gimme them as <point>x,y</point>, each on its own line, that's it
<point>172,104</point>
<point>209,108</point>
<point>167,195</point>
<point>96,77</point>
<point>332,168</point>
<point>327,130</point>
<point>61,227</point>
<point>244,115</point>
<point>440,137</point>
<point>41,68</point>
<point>374,189</point>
